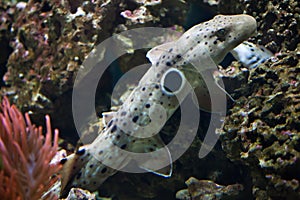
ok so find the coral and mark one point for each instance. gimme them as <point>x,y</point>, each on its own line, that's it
<point>262,128</point>
<point>26,172</point>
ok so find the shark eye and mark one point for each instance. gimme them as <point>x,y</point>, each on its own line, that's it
<point>172,81</point>
<point>221,34</point>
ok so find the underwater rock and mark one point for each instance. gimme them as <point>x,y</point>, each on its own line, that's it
<point>140,15</point>
<point>208,190</point>
<point>77,193</point>
<point>8,11</point>
<point>212,2</point>
<point>148,2</point>
<point>262,128</point>
<point>49,40</point>
<point>80,194</point>
<point>52,39</point>
<point>166,13</point>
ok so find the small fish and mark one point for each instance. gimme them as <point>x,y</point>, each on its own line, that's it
<point>134,126</point>
<point>251,55</point>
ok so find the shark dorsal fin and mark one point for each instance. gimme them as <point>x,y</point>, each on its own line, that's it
<point>154,54</point>
<point>107,116</point>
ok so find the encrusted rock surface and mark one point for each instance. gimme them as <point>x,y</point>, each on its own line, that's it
<point>208,190</point>
<point>51,40</point>
<point>262,130</point>
<point>80,194</point>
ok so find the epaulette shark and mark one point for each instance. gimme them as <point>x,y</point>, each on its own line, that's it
<point>134,126</point>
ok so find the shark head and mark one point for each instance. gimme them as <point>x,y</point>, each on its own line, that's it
<point>218,36</point>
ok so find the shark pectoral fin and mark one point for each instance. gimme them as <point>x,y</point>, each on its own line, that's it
<point>156,157</point>
<point>155,166</point>
<point>71,165</point>
<point>202,95</point>
<point>202,98</point>
<point>208,88</point>
<point>107,116</point>
<point>154,54</point>
<point>67,171</point>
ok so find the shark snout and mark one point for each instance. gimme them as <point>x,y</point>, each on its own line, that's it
<point>247,24</point>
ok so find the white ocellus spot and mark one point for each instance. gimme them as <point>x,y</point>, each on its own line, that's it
<point>172,81</point>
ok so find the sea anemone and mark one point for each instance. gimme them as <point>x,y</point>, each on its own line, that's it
<point>25,156</point>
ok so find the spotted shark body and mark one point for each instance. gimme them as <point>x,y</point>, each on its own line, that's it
<point>134,126</point>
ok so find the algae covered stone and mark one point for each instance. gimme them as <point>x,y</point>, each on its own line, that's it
<point>262,129</point>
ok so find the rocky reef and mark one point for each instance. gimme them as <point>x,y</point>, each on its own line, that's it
<point>261,130</point>
<point>49,41</point>
<point>206,189</point>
